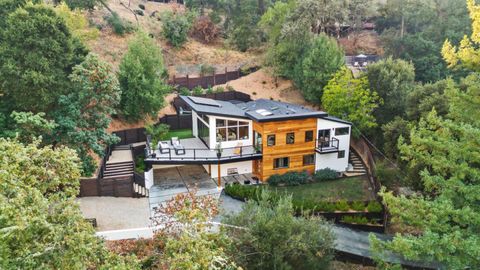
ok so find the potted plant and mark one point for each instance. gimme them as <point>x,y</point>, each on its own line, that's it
<point>218,149</point>
<point>257,148</point>
<point>154,148</point>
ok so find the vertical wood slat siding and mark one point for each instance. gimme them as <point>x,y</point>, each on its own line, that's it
<point>281,149</point>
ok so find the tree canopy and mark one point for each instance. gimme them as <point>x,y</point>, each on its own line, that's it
<point>350,99</point>
<point>271,237</point>
<point>40,223</point>
<point>142,78</point>
<point>37,53</point>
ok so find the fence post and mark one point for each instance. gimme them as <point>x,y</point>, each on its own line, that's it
<point>238,73</point>
<point>226,75</point>
<point>214,80</point>
<point>188,82</point>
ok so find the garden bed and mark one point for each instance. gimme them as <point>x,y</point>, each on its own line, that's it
<point>358,213</point>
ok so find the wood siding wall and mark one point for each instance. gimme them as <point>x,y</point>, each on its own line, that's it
<point>281,149</point>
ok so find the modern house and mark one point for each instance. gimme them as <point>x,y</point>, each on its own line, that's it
<point>261,137</point>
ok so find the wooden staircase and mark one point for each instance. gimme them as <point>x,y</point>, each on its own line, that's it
<point>120,165</point>
<point>358,166</point>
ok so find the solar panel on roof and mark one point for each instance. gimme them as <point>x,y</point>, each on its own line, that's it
<point>204,101</point>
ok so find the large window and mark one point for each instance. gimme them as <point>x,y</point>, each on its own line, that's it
<point>231,130</point>
<point>341,131</point>
<point>280,163</point>
<point>271,140</point>
<point>203,131</point>
<point>308,160</point>
<point>309,136</point>
<point>290,138</point>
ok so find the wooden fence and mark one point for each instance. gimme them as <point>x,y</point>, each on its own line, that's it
<point>128,136</point>
<point>209,80</point>
<point>177,121</point>
<point>114,187</point>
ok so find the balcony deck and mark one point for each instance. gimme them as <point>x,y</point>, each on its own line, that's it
<point>325,147</point>
<point>196,152</point>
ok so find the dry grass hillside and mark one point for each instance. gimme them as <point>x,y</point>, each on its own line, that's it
<point>111,46</point>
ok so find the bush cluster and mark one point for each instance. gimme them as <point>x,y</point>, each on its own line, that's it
<point>119,26</point>
<point>175,27</point>
<point>244,192</point>
<point>289,179</point>
<point>325,174</point>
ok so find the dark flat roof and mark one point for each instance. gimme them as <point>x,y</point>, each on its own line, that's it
<point>222,108</point>
<point>260,110</point>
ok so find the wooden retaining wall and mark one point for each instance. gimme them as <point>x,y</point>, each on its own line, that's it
<point>112,187</point>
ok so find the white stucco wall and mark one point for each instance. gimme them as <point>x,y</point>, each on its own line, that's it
<point>149,178</point>
<point>194,124</point>
<point>242,167</point>
<point>229,144</point>
<point>331,160</point>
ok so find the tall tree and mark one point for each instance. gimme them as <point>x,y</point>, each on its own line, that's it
<point>350,99</point>
<point>41,226</point>
<point>317,67</point>
<point>84,114</point>
<point>142,78</point>
<point>29,127</point>
<point>447,214</point>
<point>392,80</point>
<point>37,54</point>
<point>467,54</point>
<point>415,31</point>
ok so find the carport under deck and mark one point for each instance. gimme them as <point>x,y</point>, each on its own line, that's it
<point>181,179</point>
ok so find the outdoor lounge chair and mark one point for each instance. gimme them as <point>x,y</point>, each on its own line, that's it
<point>163,147</point>
<point>238,149</point>
<point>179,149</point>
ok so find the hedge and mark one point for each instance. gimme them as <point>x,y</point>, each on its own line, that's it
<point>247,192</point>
<point>289,179</point>
<point>325,174</point>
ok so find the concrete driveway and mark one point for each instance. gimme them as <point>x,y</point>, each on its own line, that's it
<point>181,179</point>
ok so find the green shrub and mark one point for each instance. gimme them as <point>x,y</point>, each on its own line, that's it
<point>230,88</point>
<point>325,174</point>
<point>119,26</point>
<point>209,90</point>
<point>358,206</point>
<point>141,6</point>
<point>289,179</point>
<point>176,27</point>
<point>140,164</point>
<point>342,206</point>
<point>243,191</point>
<point>197,91</point>
<point>206,69</point>
<point>326,206</point>
<point>355,220</point>
<point>374,207</point>
<point>219,89</point>
<point>184,91</point>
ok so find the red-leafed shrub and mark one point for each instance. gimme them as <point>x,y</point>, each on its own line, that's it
<point>205,30</point>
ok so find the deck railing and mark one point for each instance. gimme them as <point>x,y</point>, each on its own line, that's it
<point>328,145</point>
<point>205,154</point>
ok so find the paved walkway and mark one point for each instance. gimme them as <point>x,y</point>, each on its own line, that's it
<point>120,156</point>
